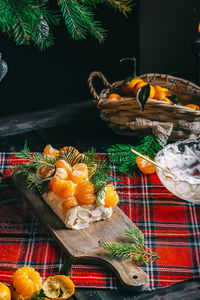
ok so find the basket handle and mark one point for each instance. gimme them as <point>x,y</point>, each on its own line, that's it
<point>90,82</point>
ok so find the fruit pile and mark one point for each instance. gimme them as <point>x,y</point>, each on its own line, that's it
<point>156,92</point>
<point>71,180</point>
<point>27,284</point>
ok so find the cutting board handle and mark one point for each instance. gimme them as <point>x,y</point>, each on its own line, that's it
<point>129,274</point>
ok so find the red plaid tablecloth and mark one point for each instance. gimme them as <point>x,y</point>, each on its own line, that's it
<point>171,227</point>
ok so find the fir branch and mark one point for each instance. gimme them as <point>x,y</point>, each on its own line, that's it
<point>134,250</point>
<point>125,159</point>
<point>123,6</point>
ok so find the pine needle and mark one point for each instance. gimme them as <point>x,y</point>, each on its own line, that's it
<point>125,159</point>
<point>135,249</point>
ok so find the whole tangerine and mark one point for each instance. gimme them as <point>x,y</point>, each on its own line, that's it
<point>139,85</point>
<point>79,172</point>
<point>63,188</point>
<point>128,88</point>
<point>193,106</point>
<point>85,193</point>
<point>5,293</point>
<point>114,96</point>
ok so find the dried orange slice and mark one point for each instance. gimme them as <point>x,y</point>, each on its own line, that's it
<point>85,193</point>
<point>63,188</point>
<point>26,281</point>
<point>49,150</point>
<point>145,166</point>
<point>5,293</point>
<point>58,287</point>
<point>79,172</point>
<point>111,199</point>
<point>44,171</point>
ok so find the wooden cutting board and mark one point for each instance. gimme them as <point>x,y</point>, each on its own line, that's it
<point>85,244</point>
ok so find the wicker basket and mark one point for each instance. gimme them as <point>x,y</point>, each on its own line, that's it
<point>125,117</point>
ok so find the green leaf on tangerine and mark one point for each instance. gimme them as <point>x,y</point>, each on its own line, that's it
<point>175,99</point>
<point>143,95</point>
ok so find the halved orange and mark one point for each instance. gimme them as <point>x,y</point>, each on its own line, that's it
<point>58,287</point>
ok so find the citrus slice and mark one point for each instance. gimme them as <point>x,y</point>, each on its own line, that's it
<point>26,281</point>
<point>58,287</point>
<point>5,293</point>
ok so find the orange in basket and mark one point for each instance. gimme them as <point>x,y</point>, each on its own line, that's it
<point>85,193</point>
<point>128,88</point>
<point>140,84</point>
<point>114,96</point>
<point>193,106</point>
<point>111,199</point>
<point>26,281</point>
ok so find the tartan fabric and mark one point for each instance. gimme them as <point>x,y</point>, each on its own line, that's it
<point>171,227</point>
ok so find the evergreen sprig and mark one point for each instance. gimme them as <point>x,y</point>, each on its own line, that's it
<point>135,249</point>
<point>28,21</point>
<point>125,159</point>
<point>31,22</point>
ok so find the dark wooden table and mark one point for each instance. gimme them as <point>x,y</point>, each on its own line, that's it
<point>79,125</point>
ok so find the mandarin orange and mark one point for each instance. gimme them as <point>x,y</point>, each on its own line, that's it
<point>145,166</point>
<point>26,281</point>
<point>139,85</point>
<point>61,163</point>
<point>61,173</point>
<point>165,99</point>
<point>5,293</point>
<point>193,106</point>
<point>49,150</point>
<point>111,198</point>
<point>85,193</point>
<point>58,287</point>
<point>114,96</point>
<point>69,203</point>
<point>79,172</point>
<point>128,88</point>
<point>63,188</point>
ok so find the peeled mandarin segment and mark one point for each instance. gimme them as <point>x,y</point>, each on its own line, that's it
<point>63,188</point>
<point>145,166</point>
<point>128,88</point>
<point>60,283</point>
<point>5,293</point>
<point>79,173</point>
<point>26,281</point>
<point>193,106</point>
<point>69,203</point>
<point>85,193</point>
<point>61,163</point>
<point>111,198</point>
<point>49,150</point>
<point>60,174</point>
<point>114,96</point>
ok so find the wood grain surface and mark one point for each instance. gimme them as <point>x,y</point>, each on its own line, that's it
<point>85,244</point>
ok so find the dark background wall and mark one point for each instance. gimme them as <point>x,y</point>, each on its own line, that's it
<point>158,33</point>
<point>59,75</point>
